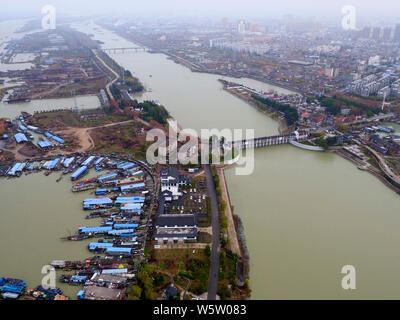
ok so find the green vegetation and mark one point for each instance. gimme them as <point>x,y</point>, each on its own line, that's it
<point>334,104</point>
<point>115,92</point>
<point>146,283</point>
<point>227,274</point>
<point>290,113</point>
<point>321,142</point>
<point>223,219</point>
<point>152,111</point>
<point>133,83</point>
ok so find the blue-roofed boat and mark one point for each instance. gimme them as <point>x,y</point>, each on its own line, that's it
<point>52,291</point>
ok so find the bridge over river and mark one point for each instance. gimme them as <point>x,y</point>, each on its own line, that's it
<point>292,138</point>
<point>125,49</point>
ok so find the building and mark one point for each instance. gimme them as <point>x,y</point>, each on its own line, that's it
<point>171,180</point>
<point>175,228</point>
<point>396,34</point>
<point>241,27</point>
<point>331,72</point>
<point>20,138</point>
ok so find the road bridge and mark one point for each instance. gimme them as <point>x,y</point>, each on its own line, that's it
<point>125,50</point>
<point>268,141</point>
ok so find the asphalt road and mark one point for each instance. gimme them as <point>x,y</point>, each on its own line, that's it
<point>213,279</point>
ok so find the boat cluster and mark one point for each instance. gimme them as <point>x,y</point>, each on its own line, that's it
<point>122,199</point>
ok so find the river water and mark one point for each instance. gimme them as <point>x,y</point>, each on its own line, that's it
<point>305,214</point>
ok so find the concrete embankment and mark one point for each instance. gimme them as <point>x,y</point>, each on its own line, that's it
<point>306,146</point>
<point>233,238</point>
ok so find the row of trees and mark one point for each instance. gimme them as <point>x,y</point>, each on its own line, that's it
<point>291,114</point>
<point>153,111</point>
<point>334,104</point>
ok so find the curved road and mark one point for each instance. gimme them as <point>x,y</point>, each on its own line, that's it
<point>213,278</point>
<point>111,70</point>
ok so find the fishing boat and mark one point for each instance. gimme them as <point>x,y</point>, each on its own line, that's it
<point>51,291</point>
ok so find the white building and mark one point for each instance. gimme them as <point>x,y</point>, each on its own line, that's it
<point>241,27</point>
<point>171,180</point>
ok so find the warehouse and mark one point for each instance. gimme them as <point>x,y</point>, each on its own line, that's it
<point>20,138</point>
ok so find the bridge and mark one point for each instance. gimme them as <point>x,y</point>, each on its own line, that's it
<point>267,141</point>
<point>126,49</point>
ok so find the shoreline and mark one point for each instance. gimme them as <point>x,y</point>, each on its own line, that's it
<point>370,169</point>
<point>199,69</point>
<point>282,128</point>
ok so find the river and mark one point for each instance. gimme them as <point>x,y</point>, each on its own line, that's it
<point>36,213</point>
<point>305,214</point>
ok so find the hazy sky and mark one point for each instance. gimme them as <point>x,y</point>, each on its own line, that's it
<point>212,8</point>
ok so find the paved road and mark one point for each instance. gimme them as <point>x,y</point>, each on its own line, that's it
<point>213,279</point>
<point>111,70</point>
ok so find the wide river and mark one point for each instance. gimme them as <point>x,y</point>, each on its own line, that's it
<point>305,214</point>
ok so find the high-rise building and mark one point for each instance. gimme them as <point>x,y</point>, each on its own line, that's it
<point>225,23</point>
<point>376,33</point>
<point>365,32</point>
<point>396,35</point>
<point>387,33</point>
<point>241,27</point>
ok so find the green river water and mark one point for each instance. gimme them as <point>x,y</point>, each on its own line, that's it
<point>305,214</point>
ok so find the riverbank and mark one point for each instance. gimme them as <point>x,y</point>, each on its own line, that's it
<point>200,69</point>
<point>300,209</point>
<point>283,127</point>
<point>368,168</point>
<point>123,231</point>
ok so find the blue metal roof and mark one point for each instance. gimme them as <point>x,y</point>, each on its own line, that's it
<point>55,138</point>
<point>98,161</point>
<point>125,225</point>
<point>78,172</point>
<point>44,144</point>
<point>20,137</point>
<point>67,162</point>
<point>108,177</point>
<point>120,231</point>
<point>127,166</point>
<point>133,186</point>
<point>132,206</point>
<point>95,229</point>
<point>118,250</point>
<point>52,164</point>
<point>16,168</point>
<point>133,199</point>
<point>95,245</point>
<point>97,201</point>
<point>88,160</point>
<point>114,271</point>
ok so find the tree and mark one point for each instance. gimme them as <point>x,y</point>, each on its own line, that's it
<point>207,250</point>
<point>136,293</point>
<point>179,264</point>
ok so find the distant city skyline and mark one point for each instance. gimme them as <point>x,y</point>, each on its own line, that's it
<point>250,9</point>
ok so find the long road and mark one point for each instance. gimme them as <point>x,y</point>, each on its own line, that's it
<point>111,70</point>
<point>213,278</point>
